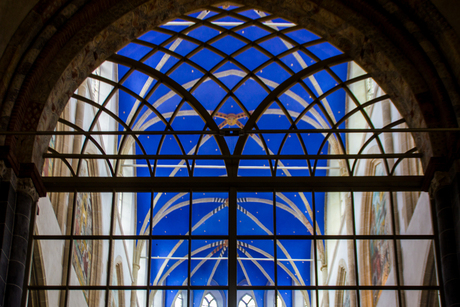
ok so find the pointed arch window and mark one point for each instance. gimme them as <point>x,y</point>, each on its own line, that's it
<point>246,301</point>
<point>209,301</point>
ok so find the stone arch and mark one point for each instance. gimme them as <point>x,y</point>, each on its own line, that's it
<point>419,83</point>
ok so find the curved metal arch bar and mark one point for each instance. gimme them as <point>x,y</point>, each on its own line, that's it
<point>370,123</point>
<point>64,160</point>
<point>294,123</point>
<point>316,101</point>
<point>248,43</point>
<point>339,122</point>
<point>280,34</point>
<point>176,137</point>
<point>206,73</point>
<point>143,101</point>
<point>125,138</point>
<point>226,57</point>
<point>413,150</point>
<point>281,89</point>
<point>359,109</point>
<point>94,121</point>
<point>119,86</point>
<point>96,105</point>
<point>176,87</point>
<point>302,143</point>
<point>115,117</point>
<point>344,85</point>
<point>293,127</point>
<point>210,74</point>
<point>65,122</point>
<point>202,112</point>
<point>273,33</point>
<point>264,145</point>
<point>184,59</point>
<point>375,137</point>
<point>339,140</point>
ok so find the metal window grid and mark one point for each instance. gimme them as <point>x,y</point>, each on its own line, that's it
<point>232,237</point>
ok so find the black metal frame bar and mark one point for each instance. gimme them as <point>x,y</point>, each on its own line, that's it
<point>239,131</point>
<point>396,248</point>
<point>238,287</point>
<point>232,157</point>
<point>113,213</point>
<point>262,184</point>
<point>243,237</point>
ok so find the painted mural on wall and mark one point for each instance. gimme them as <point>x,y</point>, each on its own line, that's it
<point>380,258</point>
<point>83,249</point>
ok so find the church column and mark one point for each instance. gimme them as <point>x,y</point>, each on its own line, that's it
<point>20,188</point>
<point>7,209</point>
<point>26,197</point>
<point>441,192</point>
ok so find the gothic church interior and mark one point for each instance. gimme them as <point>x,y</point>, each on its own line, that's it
<point>229,153</point>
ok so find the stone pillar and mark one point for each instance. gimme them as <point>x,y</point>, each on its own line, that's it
<point>7,210</point>
<point>441,192</point>
<point>26,198</point>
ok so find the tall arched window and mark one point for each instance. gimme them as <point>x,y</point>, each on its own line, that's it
<point>235,145</point>
<point>209,301</point>
<point>246,301</point>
